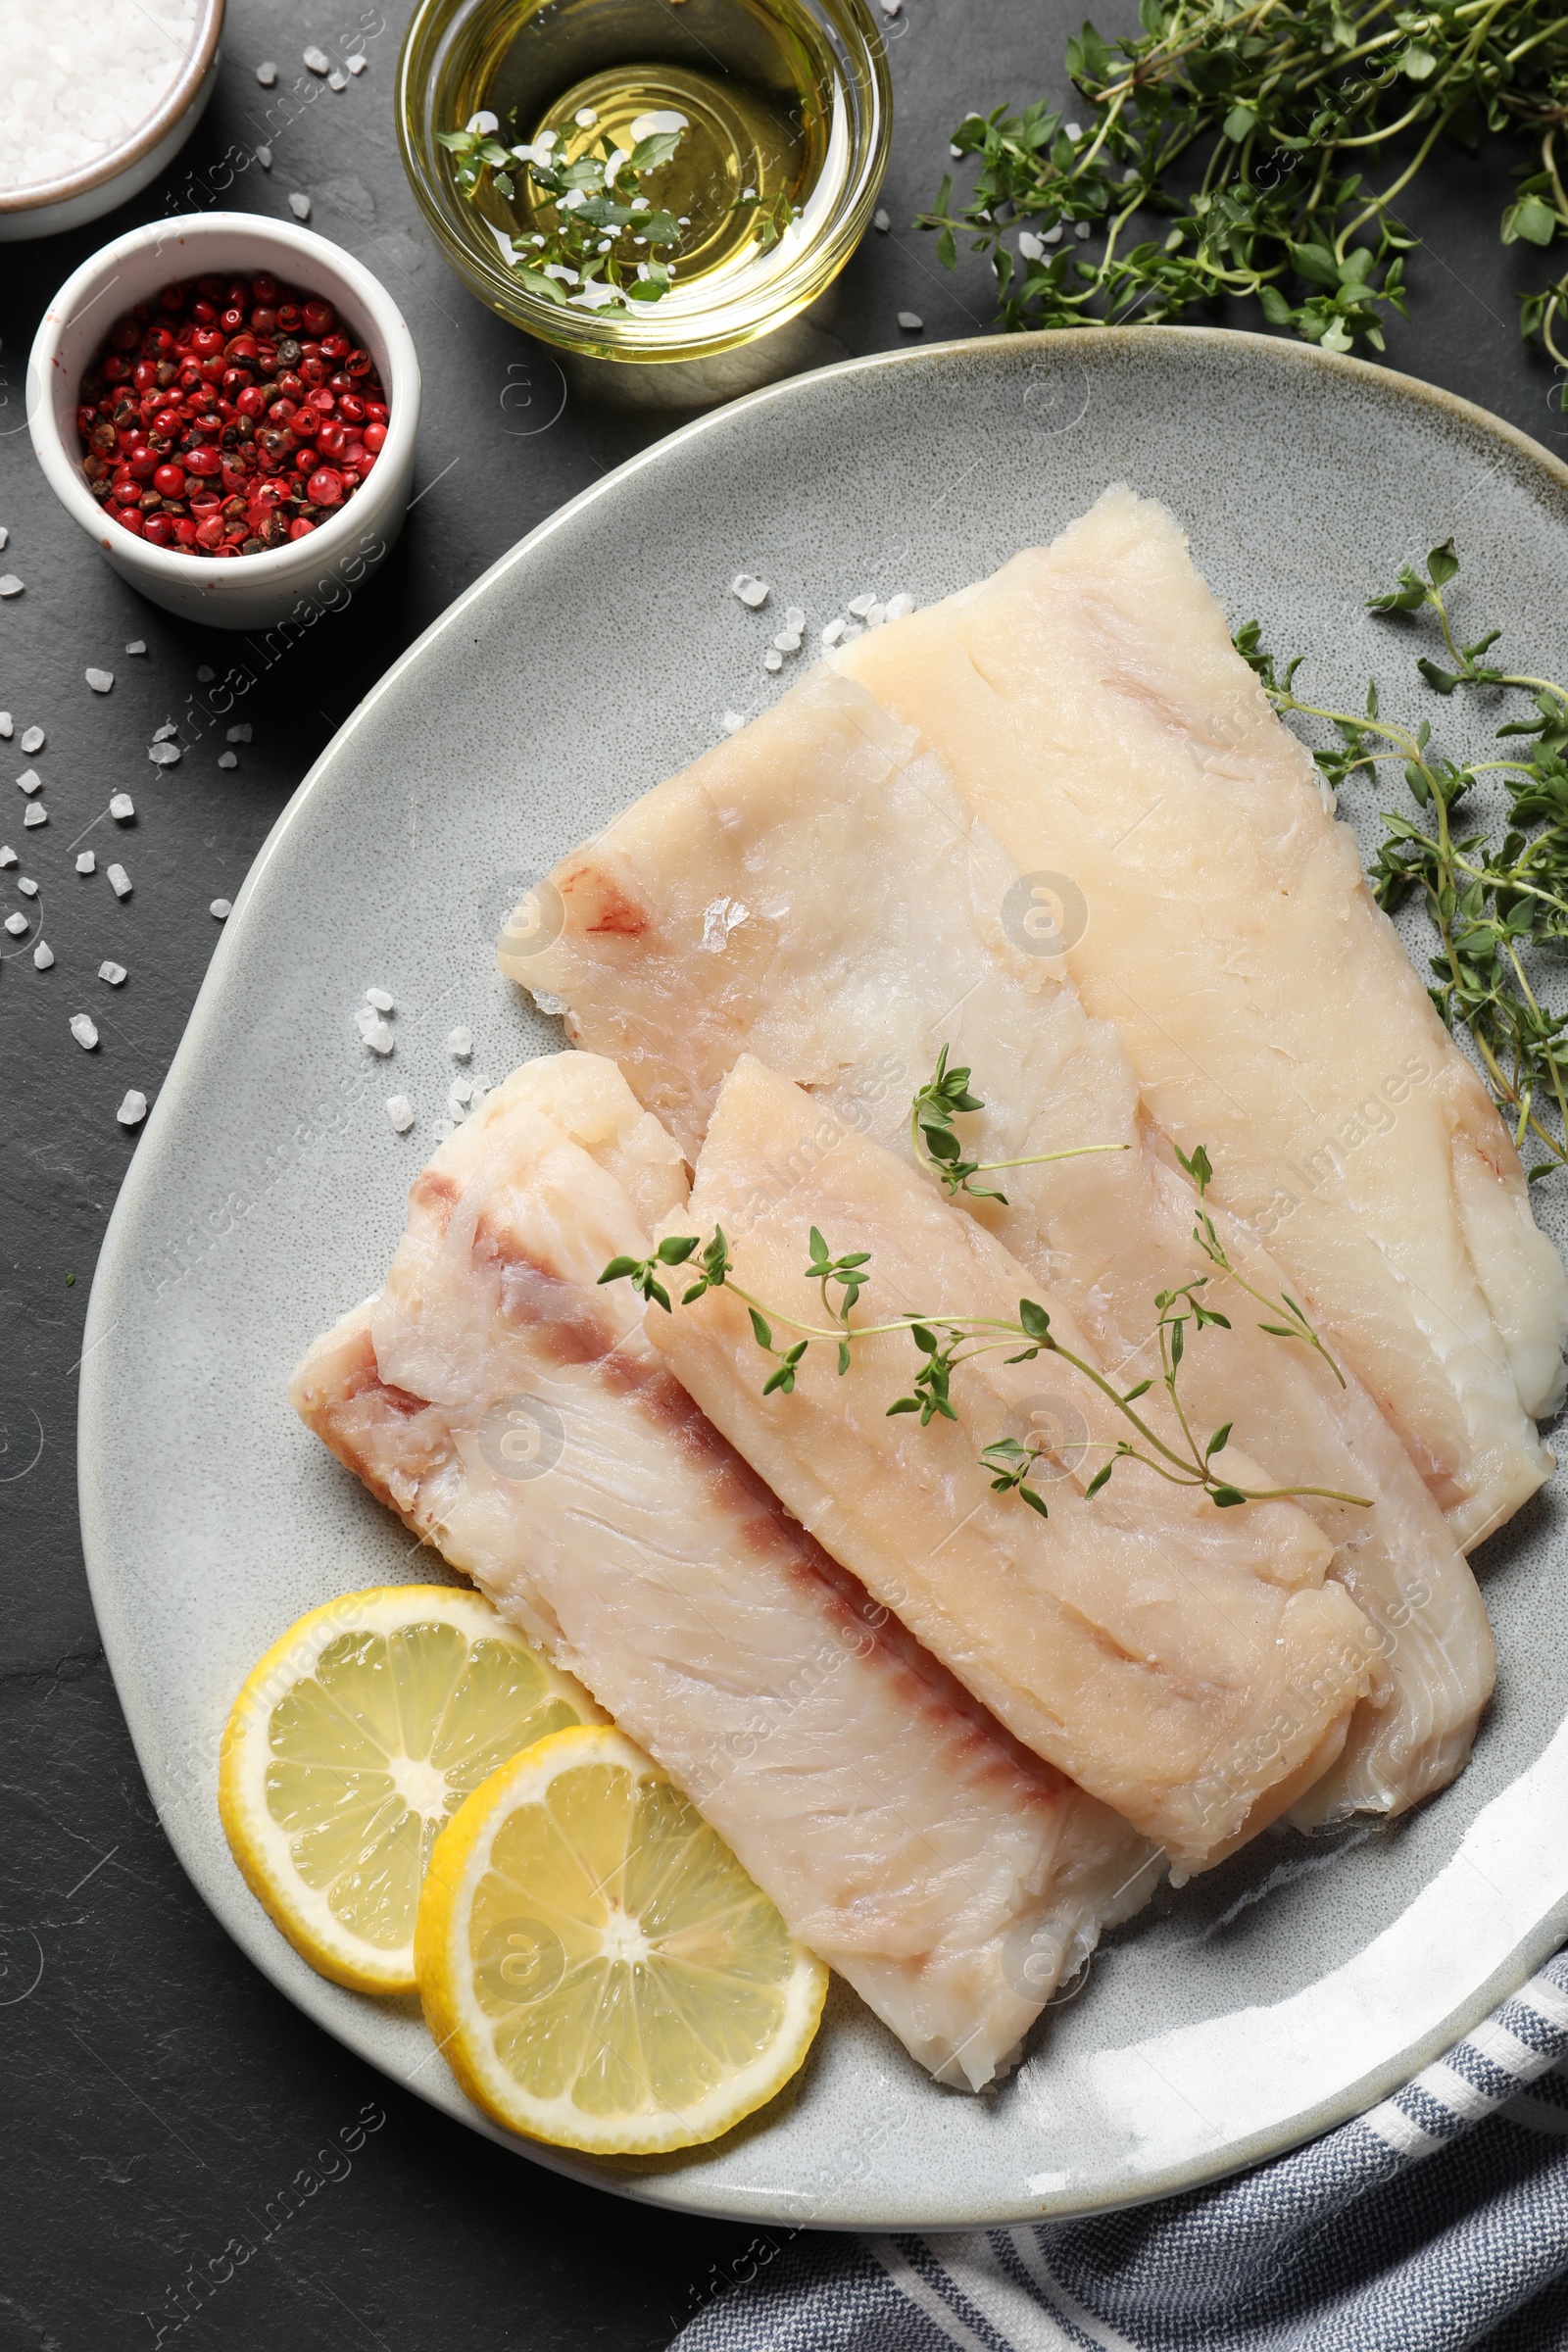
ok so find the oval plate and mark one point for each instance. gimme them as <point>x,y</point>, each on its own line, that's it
<point>1276,1996</point>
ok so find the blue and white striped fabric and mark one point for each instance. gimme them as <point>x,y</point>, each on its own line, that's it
<point>1437,2221</point>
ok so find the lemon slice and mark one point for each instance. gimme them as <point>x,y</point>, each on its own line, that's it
<point>596,1966</point>
<point>355,1740</point>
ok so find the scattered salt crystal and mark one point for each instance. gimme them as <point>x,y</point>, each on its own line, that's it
<point>489,124</point>
<point>852,630</point>
<point>834,630</point>
<point>263,156</point>
<point>442,1128</point>
<point>84,1031</point>
<point>1051,236</point>
<point>585,118</point>
<point>890,8</point>
<point>460,1044</point>
<point>37,814</point>
<point>28,886</point>
<point>318,61</point>
<point>266,74</point>
<point>8,855</point>
<point>880,221</point>
<point>162,733</point>
<point>461,1091</point>
<point>860,606</point>
<point>86,862</point>
<point>162,754</point>
<point>456,1106</point>
<point>206,674</point>
<point>899,607</point>
<point>100,680</point>
<point>119,881</point>
<point>1080,228</point>
<point>1029,245</point>
<point>381,1000</point>
<point>875,615</point>
<point>732,723</point>
<point>378,1037</point>
<point>751,591</point>
<point>221,909</point>
<point>357,63</point>
<point>241,734</point>
<point>5,725</point>
<point>795,619</point>
<point>5,536</point>
<point>228,758</point>
<point>29,778</point>
<point>338,80</point>
<point>34,740</point>
<point>114,973</point>
<point>481,1087</point>
<point>137,645</point>
<point>122,806</point>
<point>788,641</point>
<point>300,206</point>
<point>911,322</point>
<point>133,1111</point>
<point>10,585</point>
<point>400,1111</point>
<point>956,153</point>
<point>16,923</point>
<point>1074,130</point>
<point>366,1018</point>
<point>43,956</point>
<point>772,659</point>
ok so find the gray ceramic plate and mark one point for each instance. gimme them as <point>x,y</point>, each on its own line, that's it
<point>1282,1993</point>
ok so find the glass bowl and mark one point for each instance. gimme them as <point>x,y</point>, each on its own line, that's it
<point>798,90</point>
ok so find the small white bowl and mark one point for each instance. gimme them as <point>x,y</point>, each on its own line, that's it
<point>248,592</point>
<point>49,206</point>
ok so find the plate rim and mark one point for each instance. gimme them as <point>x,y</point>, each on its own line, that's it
<point>235,1909</point>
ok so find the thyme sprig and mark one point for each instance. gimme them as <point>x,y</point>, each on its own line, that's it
<point>1253,126</point>
<point>1294,1323</point>
<point>1497,906</point>
<point>936,1147</point>
<point>599,205</point>
<point>945,1343</point>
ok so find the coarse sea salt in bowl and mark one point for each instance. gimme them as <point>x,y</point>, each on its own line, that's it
<point>96,97</point>
<point>292,581</point>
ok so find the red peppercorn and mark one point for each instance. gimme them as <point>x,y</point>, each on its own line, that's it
<point>211,532</point>
<point>202,460</point>
<point>159,529</point>
<point>376,410</point>
<point>130,519</point>
<point>359,363</point>
<point>351,406</point>
<point>231,320</point>
<point>313,372</point>
<point>144,375</point>
<point>326,488</point>
<point>263,319</point>
<point>299,526</point>
<point>143,466</point>
<point>125,334</point>
<point>291,384</point>
<point>319,316</point>
<point>374,437</point>
<point>172,298</point>
<point>337,382</point>
<point>169,481</point>
<point>288,318</point>
<point>249,402</point>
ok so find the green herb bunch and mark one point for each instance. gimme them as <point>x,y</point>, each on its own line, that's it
<point>608,233</point>
<point>1499,907</point>
<point>1278,138</point>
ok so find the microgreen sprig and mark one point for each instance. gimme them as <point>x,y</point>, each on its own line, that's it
<point>599,205</point>
<point>1497,906</point>
<point>1255,129</point>
<point>937,1145</point>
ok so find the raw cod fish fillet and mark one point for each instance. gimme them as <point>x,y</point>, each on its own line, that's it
<point>815,892</point>
<point>951,1877</point>
<point>1091,708</point>
<point>1186,1664</point>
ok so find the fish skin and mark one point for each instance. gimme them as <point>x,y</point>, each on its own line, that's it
<point>1187,1665</point>
<point>906,1838</point>
<point>826,806</point>
<point>1091,709</point>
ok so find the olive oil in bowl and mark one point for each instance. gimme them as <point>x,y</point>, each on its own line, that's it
<point>782,114</point>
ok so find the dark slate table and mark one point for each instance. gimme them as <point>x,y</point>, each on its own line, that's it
<point>160,2094</point>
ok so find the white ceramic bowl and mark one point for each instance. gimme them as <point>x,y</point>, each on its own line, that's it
<point>49,206</point>
<point>252,591</point>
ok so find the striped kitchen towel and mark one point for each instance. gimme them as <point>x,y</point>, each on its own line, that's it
<point>1437,2221</point>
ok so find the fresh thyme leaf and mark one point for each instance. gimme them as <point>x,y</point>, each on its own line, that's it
<point>1099,1480</point>
<point>1225,1499</point>
<point>1224,150</point>
<point>599,205</point>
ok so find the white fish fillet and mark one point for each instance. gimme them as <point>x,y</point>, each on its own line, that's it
<point>951,1877</point>
<point>1091,709</point>
<point>1186,1664</point>
<point>815,892</point>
